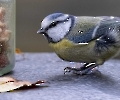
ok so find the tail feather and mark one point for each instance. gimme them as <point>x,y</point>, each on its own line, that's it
<point>114,35</point>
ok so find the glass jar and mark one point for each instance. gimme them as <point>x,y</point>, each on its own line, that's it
<point>7,35</point>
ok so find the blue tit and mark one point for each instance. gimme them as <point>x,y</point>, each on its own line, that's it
<point>86,39</point>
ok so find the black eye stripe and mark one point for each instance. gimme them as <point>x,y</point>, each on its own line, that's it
<point>53,24</point>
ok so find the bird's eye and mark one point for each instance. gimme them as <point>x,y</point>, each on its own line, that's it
<point>53,24</point>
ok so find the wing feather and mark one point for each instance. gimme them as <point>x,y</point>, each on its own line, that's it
<point>100,31</point>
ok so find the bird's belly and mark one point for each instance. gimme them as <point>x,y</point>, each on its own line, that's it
<point>74,53</point>
<point>82,53</point>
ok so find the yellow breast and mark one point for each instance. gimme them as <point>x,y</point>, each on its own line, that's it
<point>70,51</point>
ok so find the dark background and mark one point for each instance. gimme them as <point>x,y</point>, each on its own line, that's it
<point>31,12</point>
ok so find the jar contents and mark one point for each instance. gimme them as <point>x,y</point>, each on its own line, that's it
<point>4,40</point>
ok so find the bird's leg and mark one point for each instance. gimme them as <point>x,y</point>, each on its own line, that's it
<point>85,69</point>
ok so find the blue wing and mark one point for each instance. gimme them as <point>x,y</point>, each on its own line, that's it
<point>101,31</point>
<point>82,37</point>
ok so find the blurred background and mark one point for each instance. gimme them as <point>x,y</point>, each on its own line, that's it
<point>31,12</point>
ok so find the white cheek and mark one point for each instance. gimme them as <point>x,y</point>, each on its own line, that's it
<point>57,33</point>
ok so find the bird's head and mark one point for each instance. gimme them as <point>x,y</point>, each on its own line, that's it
<point>55,26</point>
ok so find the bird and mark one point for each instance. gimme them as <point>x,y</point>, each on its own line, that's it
<point>91,40</point>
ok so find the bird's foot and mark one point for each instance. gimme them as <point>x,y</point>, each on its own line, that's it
<point>84,70</point>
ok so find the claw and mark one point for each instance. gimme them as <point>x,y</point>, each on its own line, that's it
<point>84,70</point>
<point>67,70</point>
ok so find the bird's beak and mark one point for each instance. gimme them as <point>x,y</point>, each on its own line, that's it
<point>41,31</point>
